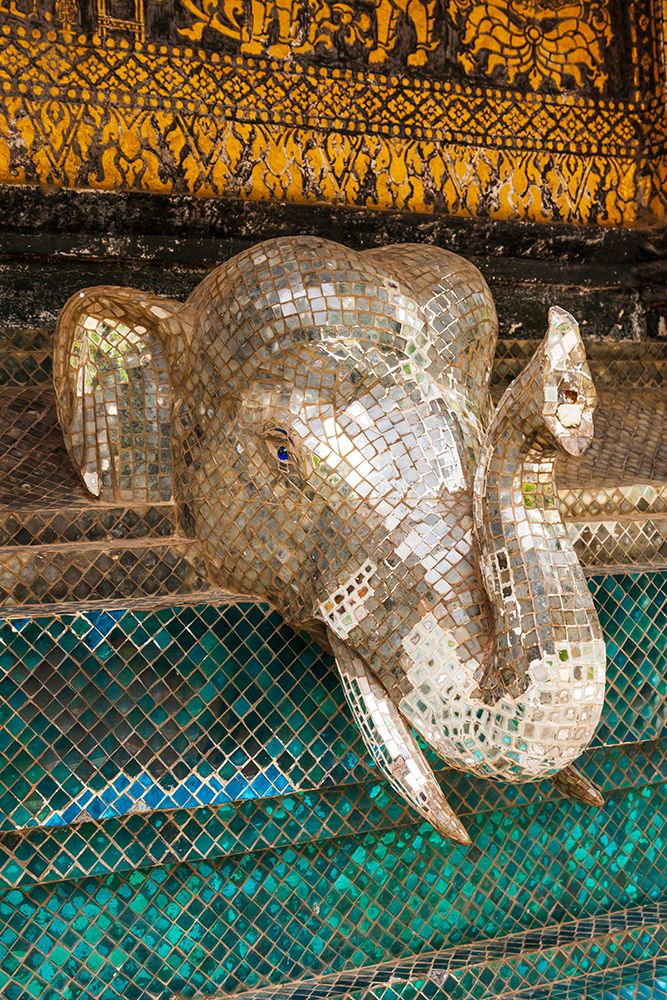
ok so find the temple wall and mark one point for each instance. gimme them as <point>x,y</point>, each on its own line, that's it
<point>548,112</point>
<point>186,807</point>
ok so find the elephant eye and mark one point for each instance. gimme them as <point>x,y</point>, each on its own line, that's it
<point>568,392</point>
<point>281,445</point>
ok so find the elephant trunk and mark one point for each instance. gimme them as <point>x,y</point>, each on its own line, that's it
<point>549,655</point>
<point>497,661</point>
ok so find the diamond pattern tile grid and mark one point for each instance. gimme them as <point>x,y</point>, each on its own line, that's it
<point>494,969</point>
<point>107,712</point>
<point>638,991</point>
<point>628,982</point>
<point>25,357</point>
<point>275,916</point>
<point>160,837</point>
<point>29,432</point>
<point>633,615</point>
<point>632,982</point>
<point>628,364</point>
<point>616,544</point>
<point>177,708</point>
<point>21,369</point>
<point>99,574</point>
<point>65,525</point>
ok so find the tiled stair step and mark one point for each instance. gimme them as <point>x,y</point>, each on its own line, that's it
<point>25,356</point>
<point>42,501</point>
<point>628,447</point>
<point>25,359</point>
<point>583,952</point>
<point>623,501</point>
<point>198,705</point>
<point>628,364</point>
<point>99,523</point>
<point>59,576</point>
<point>94,567</point>
<point>22,368</point>
<point>611,545</point>
<point>166,836</point>
<point>35,469</point>
<point>620,544</point>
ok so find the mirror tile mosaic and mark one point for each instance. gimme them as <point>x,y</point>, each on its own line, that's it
<point>186,806</point>
<point>145,886</point>
<point>109,712</point>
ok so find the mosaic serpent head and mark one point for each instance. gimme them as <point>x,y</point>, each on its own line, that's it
<point>323,419</point>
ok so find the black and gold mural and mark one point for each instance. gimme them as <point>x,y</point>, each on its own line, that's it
<point>548,110</point>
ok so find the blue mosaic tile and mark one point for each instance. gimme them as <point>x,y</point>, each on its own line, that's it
<point>217,735</point>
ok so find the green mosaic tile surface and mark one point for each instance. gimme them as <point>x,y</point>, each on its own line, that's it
<point>327,875</point>
<point>633,615</point>
<point>580,957</point>
<point>47,854</point>
<point>107,712</point>
<point>272,916</point>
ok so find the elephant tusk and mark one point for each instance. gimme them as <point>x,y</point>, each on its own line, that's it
<point>575,785</point>
<point>392,745</point>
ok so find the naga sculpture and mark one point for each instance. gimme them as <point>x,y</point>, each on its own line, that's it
<point>323,419</point>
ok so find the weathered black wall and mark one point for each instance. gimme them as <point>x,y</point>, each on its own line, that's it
<point>614,281</point>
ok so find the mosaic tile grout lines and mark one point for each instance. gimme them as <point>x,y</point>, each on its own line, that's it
<point>649,917</point>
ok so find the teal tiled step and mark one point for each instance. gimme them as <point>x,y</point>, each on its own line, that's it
<point>633,614</point>
<point>635,981</point>
<point>656,990</point>
<point>273,888</point>
<point>145,840</point>
<point>272,917</point>
<point>571,961</point>
<point>106,712</point>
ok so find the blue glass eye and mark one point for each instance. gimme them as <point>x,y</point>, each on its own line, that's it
<point>283,453</point>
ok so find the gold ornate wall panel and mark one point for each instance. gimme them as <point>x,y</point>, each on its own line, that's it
<point>549,110</point>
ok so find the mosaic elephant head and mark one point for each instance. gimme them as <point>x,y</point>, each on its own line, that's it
<point>323,419</point>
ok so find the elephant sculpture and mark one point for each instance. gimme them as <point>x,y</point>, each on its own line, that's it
<point>322,418</point>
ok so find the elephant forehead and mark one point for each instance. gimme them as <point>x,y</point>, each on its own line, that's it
<point>279,294</point>
<point>311,378</point>
<point>366,417</point>
<point>386,458</point>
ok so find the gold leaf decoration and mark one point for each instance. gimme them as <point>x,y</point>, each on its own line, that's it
<point>548,41</point>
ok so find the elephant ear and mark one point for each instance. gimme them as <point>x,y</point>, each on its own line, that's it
<point>115,365</point>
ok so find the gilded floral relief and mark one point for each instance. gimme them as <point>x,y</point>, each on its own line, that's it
<point>416,105</point>
<point>557,42</point>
